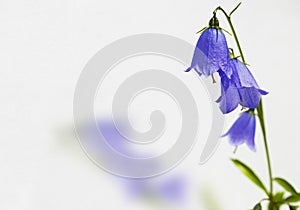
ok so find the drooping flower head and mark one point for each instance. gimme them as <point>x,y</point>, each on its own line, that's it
<point>211,53</point>
<point>243,130</point>
<point>241,88</point>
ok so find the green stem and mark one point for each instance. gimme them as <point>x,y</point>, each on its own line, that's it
<point>260,113</point>
<point>260,106</point>
<point>233,32</point>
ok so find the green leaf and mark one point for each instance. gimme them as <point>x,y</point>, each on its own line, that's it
<point>293,198</point>
<point>257,207</point>
<point>286,185</point>
<point>278,197</point>
<point>250,174</point>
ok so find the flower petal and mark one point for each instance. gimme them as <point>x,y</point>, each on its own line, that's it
<point>241,81</point>
<point>242,75</point>
<point>211,53</point>
<point>243,130</point>
<point>250,97</point>
<point>250,136</point>
<point>236,132</point>
<point>230,97</point>
<point>263,92</point>
<point>188,69</point>
<point>229,100</point>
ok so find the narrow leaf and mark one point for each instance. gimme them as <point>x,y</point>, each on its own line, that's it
<point>286,185</point>
<point>257,207</point>
<point>293,199</point>
<point>250,174</point>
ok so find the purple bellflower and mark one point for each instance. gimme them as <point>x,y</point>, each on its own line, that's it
<point>211,53</point>
<point>241,88</point>
<point>243,130</point>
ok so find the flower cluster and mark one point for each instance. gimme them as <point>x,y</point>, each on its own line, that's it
<point>238,86</point>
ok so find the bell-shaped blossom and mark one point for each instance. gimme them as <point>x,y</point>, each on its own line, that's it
<point>241,88</point>
<point>243,131</point>
<point>211,53</point>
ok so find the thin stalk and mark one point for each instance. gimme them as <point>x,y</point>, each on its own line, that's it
<point>260,112</point>
<point>260,106</point>
<point>233,32</point>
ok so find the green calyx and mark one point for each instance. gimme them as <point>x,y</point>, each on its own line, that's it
<point>214,22</point>
<point>251,111</point>
<point>231,53</point>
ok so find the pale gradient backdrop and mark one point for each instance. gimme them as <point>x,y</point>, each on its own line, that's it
<point>44,46</point>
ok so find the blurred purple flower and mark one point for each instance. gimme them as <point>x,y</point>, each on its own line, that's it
<point>112,136</point>
<point>243,130</point>
<point>240,89</point>
<point>170,189</point>
<point>173,189</point>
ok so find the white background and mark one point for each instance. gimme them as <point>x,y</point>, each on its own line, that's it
<point>44,45</point>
